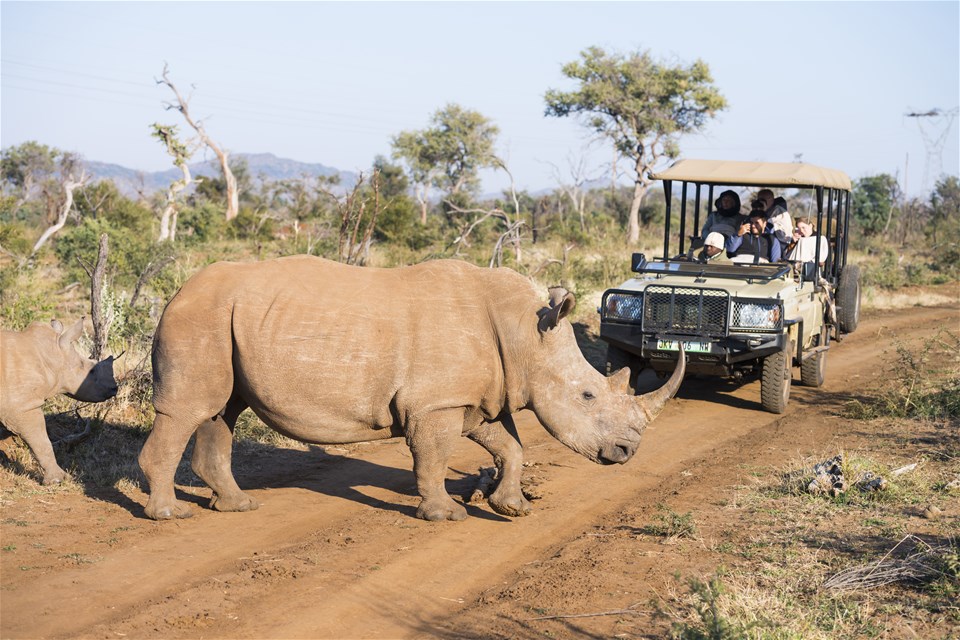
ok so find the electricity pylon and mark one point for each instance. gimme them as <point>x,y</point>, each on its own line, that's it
<point>934,126</point>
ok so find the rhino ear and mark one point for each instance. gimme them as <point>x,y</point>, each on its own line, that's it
<point>562,302</point>
<point>620,381</point>
<point>71,335</point>
<point>57,326</point>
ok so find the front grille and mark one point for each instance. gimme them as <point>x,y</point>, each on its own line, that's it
<point>685,310</point>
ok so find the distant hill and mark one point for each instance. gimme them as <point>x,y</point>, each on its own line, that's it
<point>261,166</point>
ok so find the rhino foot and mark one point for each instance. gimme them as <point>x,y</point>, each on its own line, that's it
<point>55,477</point>
<point>238,502</point>
<point>441,510</point>
<point>510,504</point>
<point>179,509</point>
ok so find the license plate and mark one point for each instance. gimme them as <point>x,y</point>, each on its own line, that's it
<point>690,347</point>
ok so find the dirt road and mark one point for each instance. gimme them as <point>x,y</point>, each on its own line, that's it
<point>335,550</point>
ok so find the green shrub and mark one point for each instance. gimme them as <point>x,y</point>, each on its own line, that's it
<point>129,250</point>
<point>199,224</point>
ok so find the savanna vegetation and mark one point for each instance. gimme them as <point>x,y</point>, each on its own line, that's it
<point>423,203</point>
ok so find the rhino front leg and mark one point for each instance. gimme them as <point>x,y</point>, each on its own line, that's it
<point>503,443</point>
<point>431,438</point>
<point>212,454</point>
<point>32,427</point>
<point>159,458</point>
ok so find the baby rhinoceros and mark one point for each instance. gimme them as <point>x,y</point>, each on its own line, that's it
<point>36,364</point>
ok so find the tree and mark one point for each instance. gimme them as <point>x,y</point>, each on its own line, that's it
<point>945,225</point>
<point>945,210</point>
<point>26,167</point>
<point>167,134</point>
<point>182,105</point>
<point>73,176</point>
<point>641,104</point>
<point>448,154</point>
<point>574,186</point>
<point>873,202</point>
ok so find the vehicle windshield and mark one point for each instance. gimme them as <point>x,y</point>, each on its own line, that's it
<point>717,270</point>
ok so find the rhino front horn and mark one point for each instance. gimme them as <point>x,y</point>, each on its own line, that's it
<point>654,401</point>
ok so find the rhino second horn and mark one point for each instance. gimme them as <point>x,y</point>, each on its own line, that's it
<point>654,401</point>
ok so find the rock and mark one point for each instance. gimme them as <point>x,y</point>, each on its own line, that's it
<point>932,512</point>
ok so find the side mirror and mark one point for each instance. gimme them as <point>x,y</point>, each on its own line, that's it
<point>638,262</point>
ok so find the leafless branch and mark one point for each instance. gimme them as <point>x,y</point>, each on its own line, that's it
<point>615,612</point>
<point>152,269</point>
<point>183,106</point>
<point>70,184</point>
<point>101,321</point>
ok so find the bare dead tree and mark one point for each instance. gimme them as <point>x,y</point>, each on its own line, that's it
<point>182,105</point>
<point>102,319</point>
<point>511,233</point>
<point>573,186</point>
<point>358,213</point>
<point>70,185</point>
<point>167,134</point>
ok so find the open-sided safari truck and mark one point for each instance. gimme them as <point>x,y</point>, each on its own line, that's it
<point>737,319</point>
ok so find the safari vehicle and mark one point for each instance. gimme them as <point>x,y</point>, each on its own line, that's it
<point>737,320</point>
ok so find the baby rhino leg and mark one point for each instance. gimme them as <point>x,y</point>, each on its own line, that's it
<point>32,427</point>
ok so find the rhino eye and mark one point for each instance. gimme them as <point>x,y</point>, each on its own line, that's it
<point>588,395</point>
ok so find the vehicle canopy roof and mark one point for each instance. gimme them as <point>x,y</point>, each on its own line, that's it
<point>760,174</point>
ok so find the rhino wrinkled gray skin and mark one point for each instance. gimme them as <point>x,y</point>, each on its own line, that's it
<point>328,353</point>
<point>36,364</point>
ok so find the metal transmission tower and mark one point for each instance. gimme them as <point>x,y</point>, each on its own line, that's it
<point>934,126</point>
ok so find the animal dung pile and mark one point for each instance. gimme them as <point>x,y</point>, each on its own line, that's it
<point>829,479</point>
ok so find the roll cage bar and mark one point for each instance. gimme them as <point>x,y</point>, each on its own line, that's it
<point>837,215</point>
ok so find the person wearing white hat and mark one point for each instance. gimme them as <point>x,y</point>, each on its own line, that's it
<point>713,246</point>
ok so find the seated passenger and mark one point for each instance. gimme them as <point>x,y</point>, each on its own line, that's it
<point>777,215</point>
<point>713,246</point>
<point>754,242</point>
<point>726,219</point>
<point>804,247</point>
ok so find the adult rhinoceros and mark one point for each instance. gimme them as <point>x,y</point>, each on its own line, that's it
<point>328,353</point>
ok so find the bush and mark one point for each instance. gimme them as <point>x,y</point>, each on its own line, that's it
<point>199,224</point>
<point>130,250</point>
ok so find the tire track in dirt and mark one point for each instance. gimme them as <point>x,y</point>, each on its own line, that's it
<point>315,561</point>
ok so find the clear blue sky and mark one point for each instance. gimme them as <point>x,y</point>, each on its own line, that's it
<point>334,82</point>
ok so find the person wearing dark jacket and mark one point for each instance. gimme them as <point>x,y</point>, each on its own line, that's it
<point>754,242</point>
<point>779,221</point>
<point>727,218</point>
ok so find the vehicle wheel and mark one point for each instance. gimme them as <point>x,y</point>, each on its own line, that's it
<point>775,382</point>
<point>618,359</point>
<point>814,369</point>
<point>848,298</point>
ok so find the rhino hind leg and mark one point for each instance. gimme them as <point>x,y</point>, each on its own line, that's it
<point>158,459</point>
<point>212,454</point>
<point>431,438</point>
<point>32,427</point>
<point>503,443</point>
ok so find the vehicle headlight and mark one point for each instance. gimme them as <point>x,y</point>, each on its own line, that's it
<point>624,306</point>
<point>757,316</point>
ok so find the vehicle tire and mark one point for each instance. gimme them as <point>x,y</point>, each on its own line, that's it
<point>775,381</point>
<point>848,298</point>
<point>618,359</point>
<point>814,369</point>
